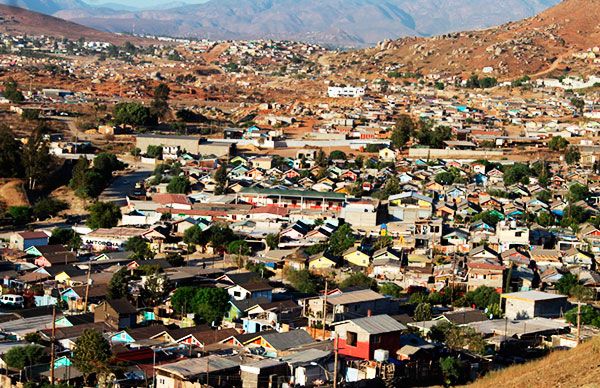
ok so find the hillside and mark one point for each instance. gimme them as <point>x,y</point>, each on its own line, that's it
<point>532,46</point>
<point>18,21</point>
<point>578,367</point>
<point>336,22</point>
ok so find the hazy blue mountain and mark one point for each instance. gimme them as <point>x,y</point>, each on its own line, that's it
<point>339,22</point>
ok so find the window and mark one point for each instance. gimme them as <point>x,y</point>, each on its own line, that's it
<point>350,338</point>
<point>375,339</point>
<point>237,294</point>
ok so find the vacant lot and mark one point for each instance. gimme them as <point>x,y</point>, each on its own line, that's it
<point>12,193</point>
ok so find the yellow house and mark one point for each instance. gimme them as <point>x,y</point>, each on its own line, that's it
<point>355,257</point>
<point>63,277</point>
<point>321,261</point>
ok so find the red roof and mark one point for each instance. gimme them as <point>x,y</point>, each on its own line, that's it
<point>480,265</point>
<point>193,212</point>
<point>272,209</point>
<point>165,199</point>
<point>33,235</point>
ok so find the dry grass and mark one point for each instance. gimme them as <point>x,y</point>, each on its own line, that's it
<point>12,193</point>
<point>578,367</point>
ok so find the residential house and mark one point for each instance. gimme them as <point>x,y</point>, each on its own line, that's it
<point>24,240</point>
<point>118,313</point>
<point>360,337</point>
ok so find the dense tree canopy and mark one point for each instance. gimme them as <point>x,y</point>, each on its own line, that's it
<point>103,215</point>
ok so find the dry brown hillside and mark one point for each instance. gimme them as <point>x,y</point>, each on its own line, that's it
<point>531,46</point>
<point>18,21</point>
<point>579,367</point>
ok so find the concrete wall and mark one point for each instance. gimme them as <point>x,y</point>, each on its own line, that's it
<point>425,153</point>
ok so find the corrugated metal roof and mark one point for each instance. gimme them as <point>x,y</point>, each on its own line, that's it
<point>194,367</point>
<point>354,297</point>
<point>378,324</point>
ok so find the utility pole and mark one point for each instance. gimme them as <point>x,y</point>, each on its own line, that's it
<point>52,345</point>
<point>578,323</point>
<point>207,371</point>
<point>324,312</point>
<point>87,287</point>
<point>335,360</point>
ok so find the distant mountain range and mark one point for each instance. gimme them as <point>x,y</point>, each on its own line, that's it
<point>335,22</point>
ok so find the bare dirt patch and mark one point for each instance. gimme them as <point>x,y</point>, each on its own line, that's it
<point>12,193</point>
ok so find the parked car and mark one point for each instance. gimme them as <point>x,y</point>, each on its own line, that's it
<point>12,300</point>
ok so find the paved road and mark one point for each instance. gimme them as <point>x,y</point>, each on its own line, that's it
<point>123,185</point>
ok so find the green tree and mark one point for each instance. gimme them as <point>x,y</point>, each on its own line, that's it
<point>321,159</point>
<point>67,237</point>
<point>36,159</point>
<point>195,236</point>
<point>12,92</point>
<point>304,281</point>
<point>91,353</point>
<point>589,316</point>
<point>10,154</point>
<point>566,283</point>
<point>272,241</point>
<point>391,289</point>
<point>20,357</point>
<point>337,155</point>
<point>578,192</point>
<point>20,214</point>
<point>579,104</point>
<point>220,178</point>
<point>160,106</point>
<point>489,217</point>
<point>139,247</point>
<point>403,131</point>
<point>240,248</point>
<point>482,297</point>
<point>154,151</point>
<point>131,113</point>
<point>209,304</point>
<point>81,167</point>
<point>103,215</point>
<point>545,218</point>
<point>117,286</point>
<point>341,240</point>
<point>459,338</point>
<point>451,370</point>
<point>179,185</point>
<point>45,208</point>
<point>519,172</point>
<point>106,163</point>
<point>572,155</point>
<point>444,178</point>
<point>558,143</point>
<point>423,312</point>
<point>359,279</point>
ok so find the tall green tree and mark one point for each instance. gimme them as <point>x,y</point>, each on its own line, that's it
<point>92,353</point>
<point>341,240</point>
<point>36,159</point>
<point>179,185</point>
<point>132,113</point>
<point>422,312</point>
<point>220,178</point>
<point>12,92</point>
<point>10,154</point>
<point>139,247</point>
<point>117,286</point>
<point>572,155</point>
<point>403,131</point>
<point>20,357</point>
<point>67,237</point>
<point>103,215</point>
